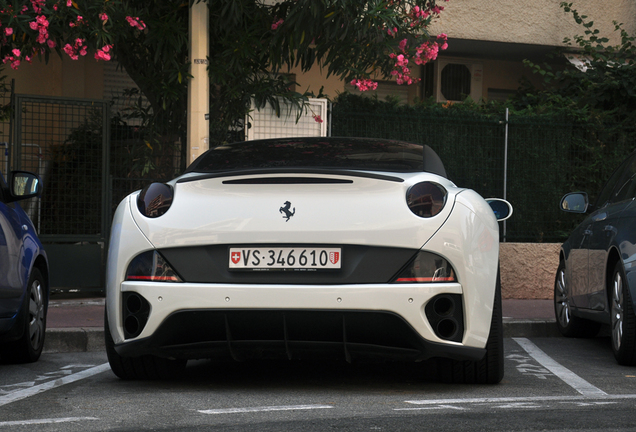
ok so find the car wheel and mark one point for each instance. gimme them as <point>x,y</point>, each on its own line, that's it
<point>28,348</point>
<point>488,370</point>
<point>568,324</point>
<point>623,320</point>
<point>145,367</point>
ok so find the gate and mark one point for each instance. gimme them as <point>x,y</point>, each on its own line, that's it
<point>66,142</point>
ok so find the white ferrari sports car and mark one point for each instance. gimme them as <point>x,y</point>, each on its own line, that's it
<point>346,248</point>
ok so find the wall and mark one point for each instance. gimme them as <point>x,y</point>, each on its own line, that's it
<point>60,77</point>
<point>528,269</point>
<point>540,22</point>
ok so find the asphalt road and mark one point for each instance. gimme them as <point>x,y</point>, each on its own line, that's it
<point>553,384</point>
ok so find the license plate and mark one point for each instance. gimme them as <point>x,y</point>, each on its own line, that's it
<point>285,258</point>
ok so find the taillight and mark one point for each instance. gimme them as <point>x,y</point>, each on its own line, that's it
<point>426,199</point>
<point>155,199</point>
<point>427,268</point>
<point>151,266</point>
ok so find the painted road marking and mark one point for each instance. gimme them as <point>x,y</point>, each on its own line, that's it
<point>31,391</point>
<point>46,421</point>
<point>569,377</point>
<point>509,402</point>
<point>264,409</point>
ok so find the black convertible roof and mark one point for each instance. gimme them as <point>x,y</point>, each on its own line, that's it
<point>367,154</point>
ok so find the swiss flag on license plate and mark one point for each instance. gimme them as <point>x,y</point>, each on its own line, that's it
<point>236,257</point>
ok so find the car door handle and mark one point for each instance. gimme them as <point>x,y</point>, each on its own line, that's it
<point>600,217</point>
<point>608,228</point>
<point>587,232</point>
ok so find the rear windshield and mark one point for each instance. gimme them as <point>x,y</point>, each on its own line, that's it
<point>340,153</point>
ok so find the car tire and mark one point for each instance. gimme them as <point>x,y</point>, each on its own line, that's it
<point>568,324</point>
<point>147,367</point>
<point>28,348</point>
<point>623,320</point>
<point>488,370</point>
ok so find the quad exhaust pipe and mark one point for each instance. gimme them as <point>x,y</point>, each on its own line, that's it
<point>445,313</point>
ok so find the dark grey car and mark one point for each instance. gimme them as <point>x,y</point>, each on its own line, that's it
<point>596,279</point>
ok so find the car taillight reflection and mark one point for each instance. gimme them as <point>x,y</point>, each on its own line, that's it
<point>152,267</point>
<point>155,199</point>
<point>426,199</point>
<point>427,267</point>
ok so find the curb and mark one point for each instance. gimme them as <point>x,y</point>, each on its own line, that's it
<point>74,340</point>
<point>530,328</point>
<point>91,339</point>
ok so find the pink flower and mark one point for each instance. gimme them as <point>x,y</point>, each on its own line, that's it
<point>136,22</point>
<point>8,31</point>
<point>317,118</point>
<point>69,3</point>
<point>77,49</point>
<point>277,24</point>
<point>364,84</point>
<point>37,5</point>
<point>102,54</point>
<point>51,43</point>
<point>103,17</point>
<point>16,52</point>
<point>70,51</point>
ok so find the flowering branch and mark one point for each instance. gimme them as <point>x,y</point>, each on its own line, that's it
<point>36,27</point>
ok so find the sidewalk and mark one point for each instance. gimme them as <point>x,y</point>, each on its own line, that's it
<point>76,325</point>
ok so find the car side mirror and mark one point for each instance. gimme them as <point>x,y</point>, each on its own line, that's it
<point>501,208</point>
<point>24,185</point>
<point>575,202</point>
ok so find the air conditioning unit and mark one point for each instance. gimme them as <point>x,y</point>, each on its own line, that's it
<point>455,79</point>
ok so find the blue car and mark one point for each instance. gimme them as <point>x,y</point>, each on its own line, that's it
<point>24,273</point>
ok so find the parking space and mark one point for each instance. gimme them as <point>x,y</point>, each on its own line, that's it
<point>542,375</point>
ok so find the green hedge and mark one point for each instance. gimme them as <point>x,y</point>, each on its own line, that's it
<point>549,153</point>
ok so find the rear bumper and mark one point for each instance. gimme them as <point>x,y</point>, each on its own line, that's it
<point>291,334</point>
<point>242,321</point>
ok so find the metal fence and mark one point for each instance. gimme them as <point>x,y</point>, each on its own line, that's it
<point>545,159</point>
<point>64,141</point>
<point>143,147</point>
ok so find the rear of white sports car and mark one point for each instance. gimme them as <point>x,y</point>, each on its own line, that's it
<point>253,252</point>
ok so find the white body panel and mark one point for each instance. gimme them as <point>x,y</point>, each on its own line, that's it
<point>465,233</point>
<point>338,214</point>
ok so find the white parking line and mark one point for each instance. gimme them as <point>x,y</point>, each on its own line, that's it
<point>604,398</point>
<point>569,377</point>
<point>28,392</point>
<point>46,421</point>
<point>264,409</point>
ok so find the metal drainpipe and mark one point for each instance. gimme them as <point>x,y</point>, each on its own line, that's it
<point>199,85</point>
<point>505,183</point>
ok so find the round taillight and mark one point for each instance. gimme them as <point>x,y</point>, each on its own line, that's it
<point>426,199</point>
<point>155,199</point>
